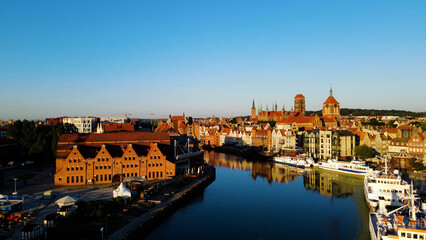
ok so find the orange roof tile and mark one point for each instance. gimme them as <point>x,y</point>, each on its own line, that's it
<point>331,100</point>
<point>118,127</point>
<point>299,96</point>
<point>178,118</point>
<point>115,137</point>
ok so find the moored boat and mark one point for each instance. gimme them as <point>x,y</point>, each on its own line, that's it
<point>386,186</point>
<point>300,162</point>
<point>355,167</point>
<point>406,222</point>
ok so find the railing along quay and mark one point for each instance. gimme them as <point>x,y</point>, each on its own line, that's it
<point>164,207</point>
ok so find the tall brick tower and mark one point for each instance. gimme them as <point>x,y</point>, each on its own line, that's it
<point>253,111</point>
<point>299,104</point>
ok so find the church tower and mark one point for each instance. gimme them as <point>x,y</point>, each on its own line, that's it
<point>331,107</point>
<point>299,104</point>
<point>253,111</point>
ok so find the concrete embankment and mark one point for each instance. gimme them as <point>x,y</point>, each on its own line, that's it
<point>146,222</point>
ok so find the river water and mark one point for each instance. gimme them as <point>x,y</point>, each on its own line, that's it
<point>257,200</point>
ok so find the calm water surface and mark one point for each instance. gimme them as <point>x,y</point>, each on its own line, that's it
<point>254,200</point>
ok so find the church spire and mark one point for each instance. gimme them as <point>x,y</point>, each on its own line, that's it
<point>253,107</point>
<point>331,91</point>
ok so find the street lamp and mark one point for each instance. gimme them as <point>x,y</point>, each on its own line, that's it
<point>16,179</point>
<point>102,233</point>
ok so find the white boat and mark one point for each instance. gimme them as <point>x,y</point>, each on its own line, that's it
<point>401,223</point>
<point>386,186</point>
<point>300,162</point>
<point>355,167</point>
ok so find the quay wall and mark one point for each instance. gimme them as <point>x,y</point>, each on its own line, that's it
<point>144,223</point>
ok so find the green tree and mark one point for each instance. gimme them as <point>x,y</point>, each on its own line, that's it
<point>364,151</point>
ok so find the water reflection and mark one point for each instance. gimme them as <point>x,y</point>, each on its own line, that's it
<point>263,200</point>
<point>273,172</point>
<point>330,184</point>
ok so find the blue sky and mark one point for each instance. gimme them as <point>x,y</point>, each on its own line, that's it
<point>104,58</point>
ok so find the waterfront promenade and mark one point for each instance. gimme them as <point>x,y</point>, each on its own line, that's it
<point>163,209</point>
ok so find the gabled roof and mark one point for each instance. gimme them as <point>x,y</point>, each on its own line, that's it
<point>178,118</point>
<point>390,130</point>
<point>114,150</point>
<point>88,151</point>
<point>116,137</point>
<point>331,100</point>
<point>118,127</point>
<point>301,119</point>
<point>299,96</point>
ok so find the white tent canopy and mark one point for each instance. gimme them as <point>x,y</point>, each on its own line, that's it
<point>122,191</point>
<point>66,201</point>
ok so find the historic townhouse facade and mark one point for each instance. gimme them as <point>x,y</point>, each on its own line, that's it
<point>326,144</point>
<point>104,158</point>
<point>417,145</point>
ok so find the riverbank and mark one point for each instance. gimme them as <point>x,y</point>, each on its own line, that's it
<point>141,225</point>
<point>250,153</point>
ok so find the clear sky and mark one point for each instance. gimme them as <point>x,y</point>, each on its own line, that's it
<point>105,58</point>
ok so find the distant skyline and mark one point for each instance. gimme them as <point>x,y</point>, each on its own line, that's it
<point>204,58</point>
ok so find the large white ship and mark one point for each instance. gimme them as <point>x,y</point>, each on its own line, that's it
<point>386,186</point>
<point>406,222</point>
<point>355,167</point>
<point>301,161</point>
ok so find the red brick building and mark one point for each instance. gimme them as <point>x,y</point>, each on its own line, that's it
<point>103,158</point>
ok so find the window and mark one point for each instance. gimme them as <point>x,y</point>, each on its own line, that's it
<point>102,177</point>
<point>149,175</point>
<point>76,179</point>
<point>68,179</point>
<point>99,159</point>
<point>134,157</point>
<point>100,167</point>
<point>125,158</point>
<point>70,161</point>
<point>109,166</point>
<point>79,160</point>
<point>60,179</point>
<point>149,164</point>
<point>107,159</point>
<point>109,177</point>
<point>81,178</point>
<point>161,164</point>
<point>124,166</point>
<point>68,168</point>
<point>161,174</point>
<point>72,179</point>
<point>96,167</point>
<point>103,159</point>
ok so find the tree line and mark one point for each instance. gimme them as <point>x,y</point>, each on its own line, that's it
<point>37,143</point>
<point>372,112</point>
